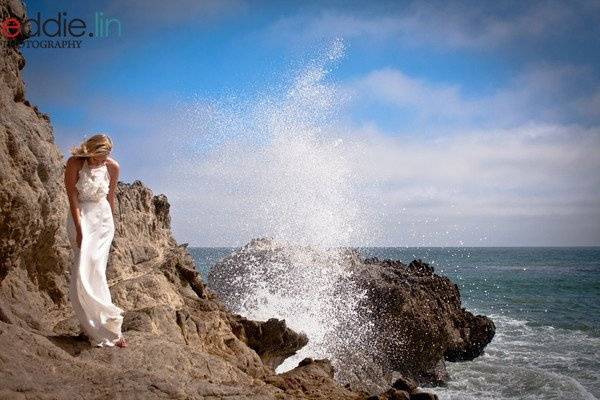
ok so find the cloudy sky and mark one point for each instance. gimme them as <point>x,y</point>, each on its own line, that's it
<point>378,123</point>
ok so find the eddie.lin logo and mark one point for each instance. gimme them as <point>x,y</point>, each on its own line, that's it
<point>57,32</point>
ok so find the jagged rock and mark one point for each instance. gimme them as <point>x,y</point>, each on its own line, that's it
<point>424,396</point>
<point>416,315</point>
<point>271,339</point>
<point>33,245</point>
<point>395,394</point>
<point>183,342</point>
<point>313,379</point>
<point>477,332</point>
<point>406,384</point>
<point>419,318</point>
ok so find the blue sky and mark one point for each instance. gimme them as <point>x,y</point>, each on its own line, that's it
<point>463,123</point>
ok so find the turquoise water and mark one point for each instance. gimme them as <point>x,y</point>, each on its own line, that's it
<point>553,286</point>
<point>206,257</point>
<point>546,306</point>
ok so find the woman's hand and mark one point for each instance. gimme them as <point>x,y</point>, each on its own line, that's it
<point>79,237</point>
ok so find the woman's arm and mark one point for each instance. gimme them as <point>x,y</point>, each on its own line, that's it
<point>113,171</point>
<point>71,172</point>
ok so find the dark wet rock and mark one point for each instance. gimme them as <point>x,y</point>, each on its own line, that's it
<point>424,396</point>
<point>395,394</point>
<point>272,340</point>
<point>419,319</point>
<point>313,379</point>
<point>405,384</point>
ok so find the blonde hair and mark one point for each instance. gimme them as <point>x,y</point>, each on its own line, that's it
<point>97,145</point>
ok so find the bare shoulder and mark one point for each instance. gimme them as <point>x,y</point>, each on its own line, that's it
<point>74,162</point>
<point>112,165</point>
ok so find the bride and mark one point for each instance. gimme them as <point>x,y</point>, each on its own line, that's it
<point>90,179</point>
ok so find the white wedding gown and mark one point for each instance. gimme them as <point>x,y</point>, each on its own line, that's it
<point>89,294</point>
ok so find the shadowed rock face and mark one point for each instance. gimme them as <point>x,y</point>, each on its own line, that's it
<point>419,318</point>
<point>183,343</point>
<point>33,246</point>
<point>409,320</point>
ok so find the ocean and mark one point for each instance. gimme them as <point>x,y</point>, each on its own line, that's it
<point>545,302</point>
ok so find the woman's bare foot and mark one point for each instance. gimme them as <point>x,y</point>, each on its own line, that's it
<point>122,342</point>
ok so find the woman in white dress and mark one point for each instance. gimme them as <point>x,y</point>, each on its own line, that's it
<point>90,179</point>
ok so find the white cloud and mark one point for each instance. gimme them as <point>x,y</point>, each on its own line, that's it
<point>530,185</point>
<point>542,93</point>
<point>395,87</point>
<point>528,170</point>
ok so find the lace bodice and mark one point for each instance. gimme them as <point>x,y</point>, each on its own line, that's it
<point>92,183</point>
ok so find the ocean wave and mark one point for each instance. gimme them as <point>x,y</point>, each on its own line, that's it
<point>525,361</point>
